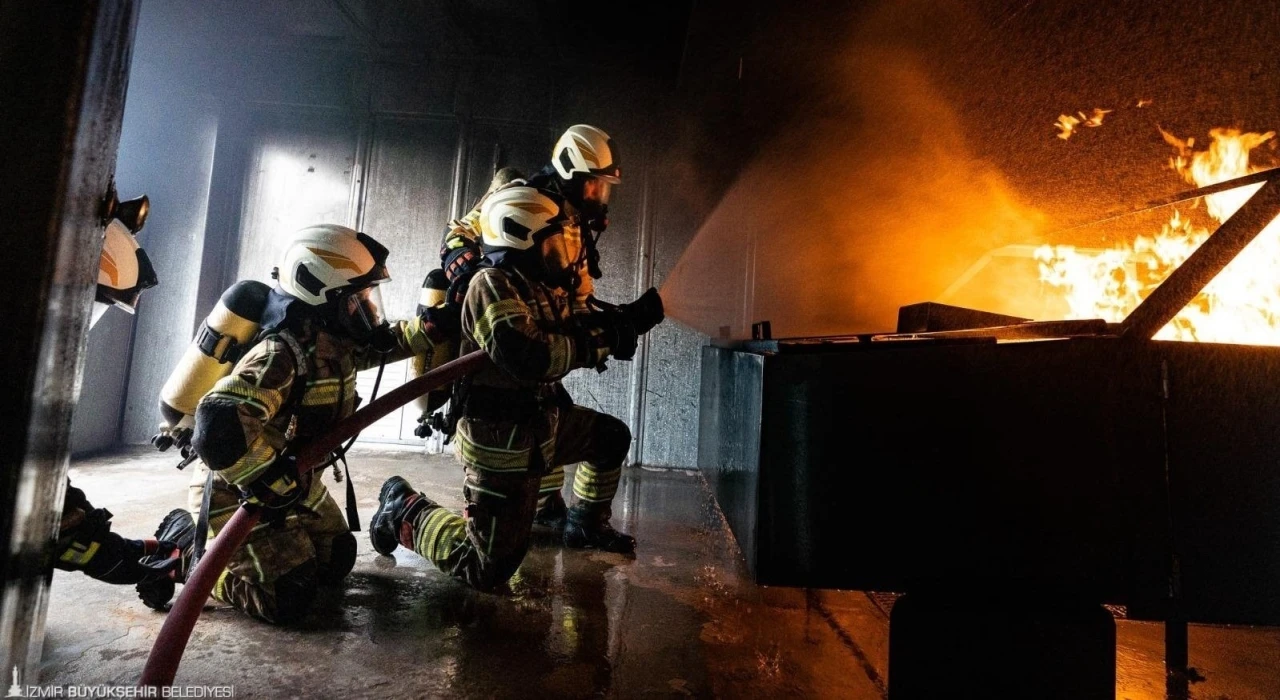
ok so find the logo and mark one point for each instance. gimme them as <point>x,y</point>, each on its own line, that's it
<point>15,690</point>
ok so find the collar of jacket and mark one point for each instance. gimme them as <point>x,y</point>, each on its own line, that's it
<point>285,312</point>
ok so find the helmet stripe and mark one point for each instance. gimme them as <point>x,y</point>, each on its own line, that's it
<point>335,260</point>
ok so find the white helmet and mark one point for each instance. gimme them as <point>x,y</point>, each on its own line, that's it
<point>529,226</point>
<point>587,150</point>
<point>324,258</point>
<point>516,218</point>
<point>123,271</point>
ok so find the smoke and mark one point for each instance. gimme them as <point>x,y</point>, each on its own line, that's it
<point>867,200</point>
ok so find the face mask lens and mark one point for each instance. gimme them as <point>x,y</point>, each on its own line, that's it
<point>595,191</point>
<point>361,312</point>
<point>372,306</point>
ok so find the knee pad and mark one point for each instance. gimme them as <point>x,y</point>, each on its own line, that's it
<point>615,438</point>
<point>295,591</point>
<point>342,558</point>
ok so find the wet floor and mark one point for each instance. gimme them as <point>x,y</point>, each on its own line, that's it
<point>678,619</point>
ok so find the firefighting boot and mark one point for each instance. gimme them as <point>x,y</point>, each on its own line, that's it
<point>551,512</point>
<point>589,528</point>
<point>398,503</point>
<point>179,529</point>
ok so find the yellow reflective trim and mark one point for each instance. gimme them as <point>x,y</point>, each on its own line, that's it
<point>324,392</point>
<point>317,495</point>
<point>220,591</point>
<point>437,534</point>
<point>257,565</point>
<point>237,389</point>
<point>552,480</point>
<point>253,463</point>
<point>491,458</point>
<point>498,312</point>
<point>475,487</point>
<point>71,556</point>
<point>562,355</point>
<point>589,474</point>
<point>594,496</point>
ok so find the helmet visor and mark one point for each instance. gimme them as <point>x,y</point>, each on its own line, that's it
<point>360,311</point>
<point>595,192</point>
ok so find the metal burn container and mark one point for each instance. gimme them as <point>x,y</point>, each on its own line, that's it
<point>1075,458</point>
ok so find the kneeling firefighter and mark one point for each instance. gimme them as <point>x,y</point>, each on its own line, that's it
<point>585,164</point>
<point>322,323</point>
<point>514,426</point>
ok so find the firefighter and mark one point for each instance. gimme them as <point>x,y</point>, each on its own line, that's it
<point>584,166</point>
<point>322,323</point>
<point>514,426</point>
<point>85,541</point>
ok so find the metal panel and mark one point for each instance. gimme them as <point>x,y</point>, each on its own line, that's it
<point>1224,462</point>
<point>671,397</point>
<point>417,90</point>
<point>95,424</point>
<point>671,378</point>
<point>492,145</point>
<point>729,438</point>
<point>901,468</point>
<point>406,208</point>
<point>300,173</point>
<point>166,151</point>
<point>512,91</point>
<point>1052,466</point>
<point>173,165</point>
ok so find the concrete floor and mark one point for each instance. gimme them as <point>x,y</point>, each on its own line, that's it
<point>680,619</point>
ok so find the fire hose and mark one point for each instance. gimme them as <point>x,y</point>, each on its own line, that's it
<point>166,652</point>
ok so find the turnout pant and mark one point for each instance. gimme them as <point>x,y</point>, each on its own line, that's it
<point>274,575</point>
<point>505,463</point>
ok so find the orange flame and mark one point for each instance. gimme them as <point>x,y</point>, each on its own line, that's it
<point>1095,119</point>
<point>1241,304</point>
<point>1066,125</point>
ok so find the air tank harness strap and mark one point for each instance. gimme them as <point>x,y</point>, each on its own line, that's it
<point>202,522</point>
<point>353,514</point>
<point>340,455</point>
<point>211,343</point>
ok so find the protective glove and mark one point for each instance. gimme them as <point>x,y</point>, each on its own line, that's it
<point>446,318</point>
<point>173,435</point>
<point>616,333</point>
<point>90,546</point>
<point>279,487</point>
<point>461,261</point>
<point>645,312</point>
